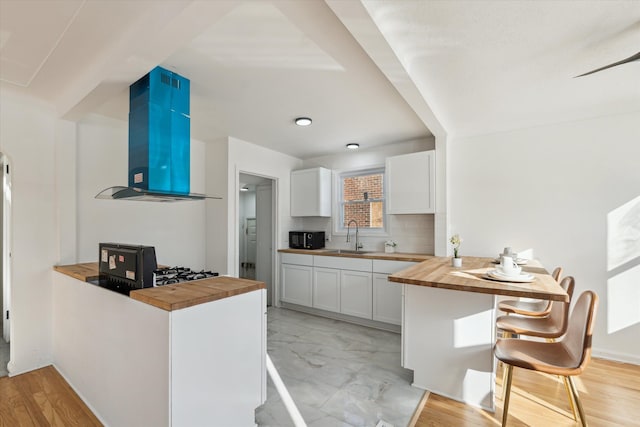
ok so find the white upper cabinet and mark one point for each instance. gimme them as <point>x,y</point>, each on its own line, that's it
<point>311,192</point>
<point>411,183</point>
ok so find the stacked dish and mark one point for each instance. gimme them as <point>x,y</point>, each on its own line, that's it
<point>511,274</point>
<point>514,275</point>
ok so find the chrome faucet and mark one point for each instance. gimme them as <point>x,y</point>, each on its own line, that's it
<point>358,244</point>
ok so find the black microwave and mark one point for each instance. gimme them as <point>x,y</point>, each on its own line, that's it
<point>306,239</point>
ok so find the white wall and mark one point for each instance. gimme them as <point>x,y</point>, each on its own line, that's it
<point>28,137</point>
<point>175,229</point>
<point>217,155</point>
<point>412,233</point>
<point>253,159</point>
<point>555,190</point>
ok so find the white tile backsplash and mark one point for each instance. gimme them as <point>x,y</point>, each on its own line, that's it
<point>412,233</point>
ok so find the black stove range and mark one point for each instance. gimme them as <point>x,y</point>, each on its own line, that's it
<point>170,276</point>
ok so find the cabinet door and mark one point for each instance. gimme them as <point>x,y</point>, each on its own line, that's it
<point>326,288</point>
<point>311,192</point>
<point>411,183</point>
<point>296,284</point>
<point>387,300</point>
<point>355,293</point>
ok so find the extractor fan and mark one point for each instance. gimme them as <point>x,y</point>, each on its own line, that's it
<point>632,58</point>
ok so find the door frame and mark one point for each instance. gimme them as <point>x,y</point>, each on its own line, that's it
<point>275,231</point>
<point>6,247</point>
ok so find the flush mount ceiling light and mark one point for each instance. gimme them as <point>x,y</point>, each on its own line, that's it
<point>245,188</point>
<point>353,146</point>
<point>303,121</point>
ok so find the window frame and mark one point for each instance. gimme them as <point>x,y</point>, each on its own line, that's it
<point>338,213</point>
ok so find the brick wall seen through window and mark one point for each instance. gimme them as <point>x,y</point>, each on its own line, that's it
<point>363,199</point>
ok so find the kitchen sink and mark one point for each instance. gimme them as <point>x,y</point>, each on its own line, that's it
<point>350,251</point>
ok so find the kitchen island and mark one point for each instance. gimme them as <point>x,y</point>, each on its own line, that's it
<point>186,354</point>
<point>448,324</point>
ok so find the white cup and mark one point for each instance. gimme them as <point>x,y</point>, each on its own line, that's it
<point>509,266</point>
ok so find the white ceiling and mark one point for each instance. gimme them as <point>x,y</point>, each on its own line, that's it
<point>373,72</point>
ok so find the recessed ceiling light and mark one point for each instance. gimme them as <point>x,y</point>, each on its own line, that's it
<point>353,146</point>
<point>303,121</point>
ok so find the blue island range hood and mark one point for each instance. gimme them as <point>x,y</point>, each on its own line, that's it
<point>159,141</point>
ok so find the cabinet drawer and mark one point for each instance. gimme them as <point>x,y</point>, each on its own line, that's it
<point>299,259</point>
<point>390,267</point>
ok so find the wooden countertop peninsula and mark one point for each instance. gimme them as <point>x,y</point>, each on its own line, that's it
<point>85,272</point>
<point>396,256</point>
<point>437,272</point>
<point>173,297</point>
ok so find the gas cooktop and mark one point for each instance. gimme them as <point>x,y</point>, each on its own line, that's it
<point>170,276</point>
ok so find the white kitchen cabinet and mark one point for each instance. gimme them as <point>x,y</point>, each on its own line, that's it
<point>355,293</point>
<point>138,365</point>
<point>326,289</point>
<point>387,299</point>
<point>297,284</point>
<point>296,273</point>
<point>311,192</point>
<point>356,287</point>
<point>411,183</point>
<point>387,296</point>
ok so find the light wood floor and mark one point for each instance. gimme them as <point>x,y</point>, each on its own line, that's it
<point>610,394</point>
<point>609,391</point>
<point>42,398</point>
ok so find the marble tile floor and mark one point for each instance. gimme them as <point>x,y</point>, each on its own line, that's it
<point>337,373</point>
<point>4,357</point>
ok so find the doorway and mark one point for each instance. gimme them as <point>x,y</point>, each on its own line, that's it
<point>256,230</point>
<point>5,271</point>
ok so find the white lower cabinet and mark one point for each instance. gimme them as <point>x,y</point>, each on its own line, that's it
<point>387,299</point>
<point>354,286</point>
<point>355,293</point>
<point>387,296</point>
<point>326,289</point>
<point>297,283</point>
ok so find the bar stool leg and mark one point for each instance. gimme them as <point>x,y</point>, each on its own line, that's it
<point>505,408</point>
<point>570,395</point>
<point>583,418</point>
<point>505,334</point>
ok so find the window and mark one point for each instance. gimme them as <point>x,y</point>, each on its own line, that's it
<point>361,197</point>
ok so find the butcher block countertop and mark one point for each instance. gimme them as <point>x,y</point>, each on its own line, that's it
<point>396,256</point>
<point>187,294</point>
<point>437,272</point>
<point>173,297</point>
<point>85,272</point>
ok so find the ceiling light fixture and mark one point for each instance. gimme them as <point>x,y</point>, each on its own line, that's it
<point>303,121</point>
<point>353,146</point>
<point>245,188</point>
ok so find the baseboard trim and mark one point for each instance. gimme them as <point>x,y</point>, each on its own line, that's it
<point>344,317</point>
<point>84,400</point>
<point>615,356</point>
<point>11,368</point>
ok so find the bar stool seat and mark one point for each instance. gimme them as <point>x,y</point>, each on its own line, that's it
<point>530,308</point>
<point>567,357</point>
<point>553,325</point>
